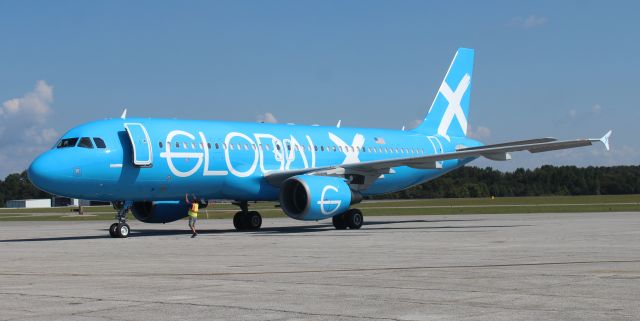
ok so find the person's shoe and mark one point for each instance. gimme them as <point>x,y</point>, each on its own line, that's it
<point>194,235</point>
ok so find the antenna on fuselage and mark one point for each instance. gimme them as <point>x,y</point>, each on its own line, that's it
<point>124,114</point>
<point>338,124</point>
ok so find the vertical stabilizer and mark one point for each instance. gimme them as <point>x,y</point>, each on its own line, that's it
<point>448,114</point>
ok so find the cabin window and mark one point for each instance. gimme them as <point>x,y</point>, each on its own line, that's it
<point>159,144</point>
<point>217,146</point>
<point>99,142</point>
<point>85,142</point>
<point>67,142</point>
<point>231,146</point>
<point>224,146</point>
<point>266,146</point>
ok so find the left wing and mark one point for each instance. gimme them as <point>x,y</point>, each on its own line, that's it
<point>494,152</point>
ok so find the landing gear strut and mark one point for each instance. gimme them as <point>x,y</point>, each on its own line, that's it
<point>245,219</point>
<point>352,219</point>
<point>120,229</point>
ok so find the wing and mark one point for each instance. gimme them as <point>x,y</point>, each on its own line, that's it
<point>373,169</point>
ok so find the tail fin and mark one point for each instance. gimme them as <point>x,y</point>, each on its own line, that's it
<point>452,99</point>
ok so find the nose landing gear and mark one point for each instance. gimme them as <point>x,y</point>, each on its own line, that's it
<point>120,229</point>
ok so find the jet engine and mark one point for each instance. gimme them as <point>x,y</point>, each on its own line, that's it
<point>160,212</point>
<point>311,198</point>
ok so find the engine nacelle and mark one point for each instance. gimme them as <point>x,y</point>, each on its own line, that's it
<point>160,212</point>
<point>311,198</point>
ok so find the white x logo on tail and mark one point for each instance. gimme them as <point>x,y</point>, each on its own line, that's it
<point>454,108</point>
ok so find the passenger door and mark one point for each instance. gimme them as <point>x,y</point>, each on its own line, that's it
<point>141,143</point>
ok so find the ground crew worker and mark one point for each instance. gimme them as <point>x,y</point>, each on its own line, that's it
<point>193,213</point>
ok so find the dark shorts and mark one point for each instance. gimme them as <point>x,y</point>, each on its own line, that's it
<point>192,221</point>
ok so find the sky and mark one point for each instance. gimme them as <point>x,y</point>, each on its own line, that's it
<point>565,69</point>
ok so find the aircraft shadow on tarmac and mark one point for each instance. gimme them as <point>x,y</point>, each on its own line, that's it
<point>372,225</point>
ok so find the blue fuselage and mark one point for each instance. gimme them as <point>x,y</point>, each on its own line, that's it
<point>220,160</point>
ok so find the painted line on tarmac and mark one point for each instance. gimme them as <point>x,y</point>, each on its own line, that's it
<point>437,267</point>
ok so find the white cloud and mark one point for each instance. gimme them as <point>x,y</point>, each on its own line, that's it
<point>480,133</point>
<point>34,104</point>
<point>530,22</point>
<point>580,115</point>
<point>22,132</point>
<point>267,118</point>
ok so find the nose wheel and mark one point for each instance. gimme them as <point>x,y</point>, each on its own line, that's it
<point>120,229</point>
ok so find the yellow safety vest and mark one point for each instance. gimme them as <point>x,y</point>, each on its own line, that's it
<point>193,212</point>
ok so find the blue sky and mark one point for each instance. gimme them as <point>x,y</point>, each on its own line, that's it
<point>566,69</point>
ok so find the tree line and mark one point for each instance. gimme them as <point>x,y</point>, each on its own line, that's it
<point>464,182</point>
<point>18,187</point>
<point>543,181</point>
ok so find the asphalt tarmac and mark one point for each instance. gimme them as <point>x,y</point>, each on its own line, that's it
<point>460,267</point>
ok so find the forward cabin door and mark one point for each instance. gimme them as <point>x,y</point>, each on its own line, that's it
<point>142,153</point>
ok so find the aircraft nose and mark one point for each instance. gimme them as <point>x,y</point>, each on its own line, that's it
<point>42,172</point>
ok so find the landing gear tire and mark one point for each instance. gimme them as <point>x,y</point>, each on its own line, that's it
<point>353,218</point>
<point>123,230</point>
<point>247,221</point>
<point>238,219</point>
<point>253,220</point>
<point>112,230</point>
<point>339,222</point>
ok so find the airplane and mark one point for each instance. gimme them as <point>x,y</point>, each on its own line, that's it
<point>147,165</point>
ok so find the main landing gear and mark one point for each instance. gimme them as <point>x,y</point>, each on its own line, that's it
<point>120,229</point>
<point>352,219</point>
<point>246,220</point>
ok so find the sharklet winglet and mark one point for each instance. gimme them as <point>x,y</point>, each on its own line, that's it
<point>124,114</point>
<point>605,139</point>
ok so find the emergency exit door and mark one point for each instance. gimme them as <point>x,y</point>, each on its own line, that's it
<point>141,144</point>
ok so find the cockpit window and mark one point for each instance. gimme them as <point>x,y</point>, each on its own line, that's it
<point>67,142</point>
<point>85,142</point>
<point>99,142</point>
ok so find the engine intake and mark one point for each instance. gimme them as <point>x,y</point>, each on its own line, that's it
<point>311,198</point>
